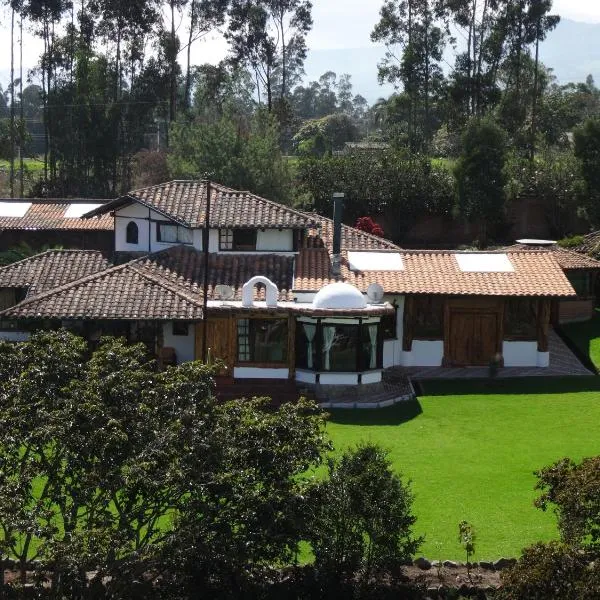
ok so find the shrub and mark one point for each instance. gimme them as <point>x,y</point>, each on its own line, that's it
<point>362,516</point>
<point>549,572</point>
<point>573,490</point>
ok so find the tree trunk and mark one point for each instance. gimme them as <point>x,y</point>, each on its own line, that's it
<point>283,57</point>
<point>173,68</point>
<point>535,92</point>
<point>12,104</point>
<point>427,72</point>
<point>21,112</point>
<point>188,70</point>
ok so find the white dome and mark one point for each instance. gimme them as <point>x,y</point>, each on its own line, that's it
<point>339,295</point>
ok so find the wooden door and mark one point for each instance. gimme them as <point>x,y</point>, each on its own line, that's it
<point>220,341</point>
<point>473,338</point>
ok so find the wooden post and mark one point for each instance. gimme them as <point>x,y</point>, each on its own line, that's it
<point>408,331</point>
<point>543,323</point>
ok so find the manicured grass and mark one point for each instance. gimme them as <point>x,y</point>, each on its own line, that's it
<point>586,336</point>
<point>470,449</point>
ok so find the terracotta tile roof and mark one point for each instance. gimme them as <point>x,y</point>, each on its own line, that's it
<point>123,293</point>
<point>184,267</point>
<point>569,260</point>
<point>51,269</point>
<point>47,213</point>
<point>437,272</point>
<point>590,244</point>
<point>166,285</point>
<point>321,236</point>
<point>185,203</point>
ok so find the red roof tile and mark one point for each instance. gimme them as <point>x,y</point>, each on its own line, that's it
<point>437,272</point>
<point>46,213</point>
<point>185,203</point>
<point>51,269</point>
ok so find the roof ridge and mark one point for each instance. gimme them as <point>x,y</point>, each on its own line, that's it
<point>168,286</point>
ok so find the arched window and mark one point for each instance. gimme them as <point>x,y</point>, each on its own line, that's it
<point>132,233</point>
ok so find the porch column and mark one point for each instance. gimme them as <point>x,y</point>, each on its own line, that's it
<point>543,323</point>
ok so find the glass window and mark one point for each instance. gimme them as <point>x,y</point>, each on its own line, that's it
<point>262,340</point>
<point>225,239</point>
<point>237,239</point>
<point>174,234</point>
<point>580,282</point>
<point>340,348</point>
<point>132,233</point>
<point>307,342</point>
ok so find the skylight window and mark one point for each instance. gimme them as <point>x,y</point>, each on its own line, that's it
<point>375,261</point>
<point>484,263</point>
<point>76,211</point>
<point>14,209</point>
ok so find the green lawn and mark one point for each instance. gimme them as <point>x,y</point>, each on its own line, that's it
<point>470,449</point>
<point>586,336</point>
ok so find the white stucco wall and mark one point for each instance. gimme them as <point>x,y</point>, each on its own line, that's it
<point>389,351</point>
<point>184,344</point>
<point>424,353</point>
<point>275,240</point>
<point>371,377</point>
<point>338,378</point>
<point>258,373</point>
<point>520,354</point>
<point>306,376</point>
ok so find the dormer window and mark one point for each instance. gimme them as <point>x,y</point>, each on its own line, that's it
<point>173,234</point>
<point>237,239</point>
<point>132,233</point>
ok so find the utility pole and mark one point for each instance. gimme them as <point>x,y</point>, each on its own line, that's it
<point>205,242</point>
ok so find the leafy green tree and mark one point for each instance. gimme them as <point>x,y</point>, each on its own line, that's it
<point>567,568</point>
<point>246,159</point>
<point>573,491</point>
<point>111,466</point>
<point>362,517</point>
<point>411,25</point>
<point>334,130</point>
<point>550,571</point>
<point>245,504</point>
<point>394,187</point>
<point>480,177</point>
<point>587,150</point>
<point>270,38</point>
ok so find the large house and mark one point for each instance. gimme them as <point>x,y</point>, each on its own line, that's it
<point>278,293</point>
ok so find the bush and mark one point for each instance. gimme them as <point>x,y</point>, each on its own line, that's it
<point>362,516</point>
<point>573,490</point>
<point>550,572</point>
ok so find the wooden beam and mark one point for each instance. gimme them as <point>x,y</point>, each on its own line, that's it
<point>408,320</point>
<point>543,323</point>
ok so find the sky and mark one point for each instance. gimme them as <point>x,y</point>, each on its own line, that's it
<point>338,24</point>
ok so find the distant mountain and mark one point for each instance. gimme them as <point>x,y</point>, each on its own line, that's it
<point>572,50</point>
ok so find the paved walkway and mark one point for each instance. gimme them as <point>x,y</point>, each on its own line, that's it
<point>562,362</point>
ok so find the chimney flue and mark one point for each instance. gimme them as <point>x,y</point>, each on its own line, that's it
<point>338,210</point>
